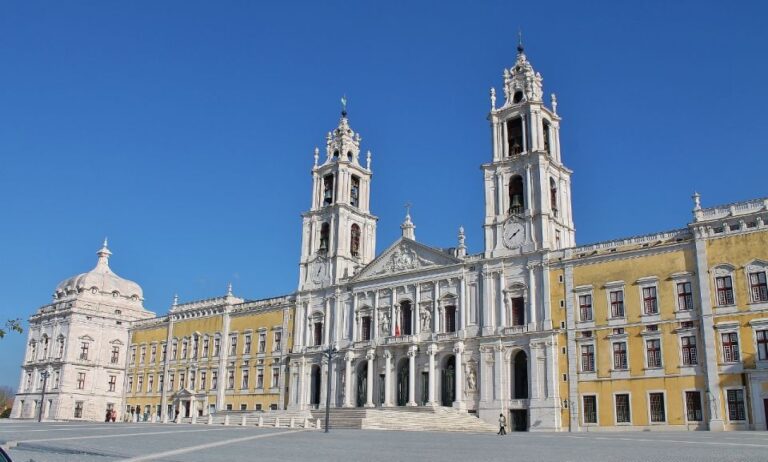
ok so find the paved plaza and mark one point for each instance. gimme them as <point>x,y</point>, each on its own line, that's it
<point>96,442</point>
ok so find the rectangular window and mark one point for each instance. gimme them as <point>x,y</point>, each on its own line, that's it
<point>262,342</point>
<point>150,383</point>
<point>216,347</point>
<point>590,409</point>
<point>174,349</point>
<point>622,409</point>
<point>115,355</point>
<point>81,380</point>
<point>277,341</point>
<point>153,354</point>
<point>450,319</point>
<point>84,346</point>
<point>143,355</point>
<point>206,342</point>
<point>762,344</point>
<point>182,380</point>
<point>688,344</point>
<point>247,347</point>
<point>60,353</point>
<point>758,287</point>
<point>78,409</point>
<point>133,355</point>
<point>171,379</point>
<point>244,384</point>
<point>233,345</point>
<point>184,349</point>
<point>620,355</point>
<point>684,296</point>
<point>585,307</point>
<point>130,384</point>
<point>243,407</point>
<point>260,378</point>
<point>587,358</point>
<point>275,377</point>
<point>214,380</point>
<point>318,333</point>
<point>192,378</point>
<point>365,333</point>
<point>658,413</point>
<point>164,351</point>
<point>160,383</point>
<point>354,192</point>
<point>139,383</point>
<point>195,344</point>
<point>730,347</point>
<point>653,352</point>
<point>650,303</point>
<point>231,379</point>
<point>203,377</point>
<point>617,304</point>
<point>736,405</point>
<point>724,290</point>
<point>112,382</point>
<point>693,406</point>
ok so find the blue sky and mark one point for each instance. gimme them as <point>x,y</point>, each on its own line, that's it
<point>184,130</point>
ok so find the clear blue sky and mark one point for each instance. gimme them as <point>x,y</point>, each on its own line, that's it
<point>184,130</point>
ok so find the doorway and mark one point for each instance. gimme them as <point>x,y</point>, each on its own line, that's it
<point>519,420</point>
<point>402,383</point>
<point>520,374</point>
<point>314,399</point>
<point>362,384</point>
<point>424,388</point>
<point>765,405</point>
<point>448,382</point>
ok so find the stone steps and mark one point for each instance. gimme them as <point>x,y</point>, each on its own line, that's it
<point>408,419</point>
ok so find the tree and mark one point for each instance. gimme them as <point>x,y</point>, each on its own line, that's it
<point>11,325</point>
<point>6,400</point>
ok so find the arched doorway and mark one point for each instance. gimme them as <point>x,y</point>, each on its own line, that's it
<point>314,398</point>
<point>402,383</point>
<point>448,382</point>
<point>362,384</point>
<point>520,375</point>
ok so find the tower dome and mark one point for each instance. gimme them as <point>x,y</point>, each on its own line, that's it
<point>101,280</point>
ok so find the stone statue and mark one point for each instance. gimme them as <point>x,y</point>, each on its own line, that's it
<point>385,331</point>
<point>426,321</point>
<point>471,379</point>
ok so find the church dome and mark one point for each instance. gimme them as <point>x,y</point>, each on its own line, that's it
<point>101,280</point>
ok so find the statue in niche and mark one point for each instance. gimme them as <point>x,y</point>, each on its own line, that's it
<point>384,318</point>
<point>426,321</point>
<point>471,379</point>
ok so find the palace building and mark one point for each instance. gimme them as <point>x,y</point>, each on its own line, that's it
<point>662,331</point>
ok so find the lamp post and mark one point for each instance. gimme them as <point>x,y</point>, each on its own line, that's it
<point>328,354</point>
<point>44,375</point>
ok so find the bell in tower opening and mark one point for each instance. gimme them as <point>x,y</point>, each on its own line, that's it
<point>516,201</point>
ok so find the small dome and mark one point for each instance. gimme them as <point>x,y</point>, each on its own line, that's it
<point>100,280</point>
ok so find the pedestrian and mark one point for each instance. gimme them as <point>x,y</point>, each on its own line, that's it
<point>108,416</point>
<point>502,425</point>
<point>113,415</point>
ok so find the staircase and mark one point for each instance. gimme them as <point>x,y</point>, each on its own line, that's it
<point>438,419</point>
<point>252,418</point>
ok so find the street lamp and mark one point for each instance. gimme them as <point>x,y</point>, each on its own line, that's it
<point>328,354</point>
<point>44,375</point>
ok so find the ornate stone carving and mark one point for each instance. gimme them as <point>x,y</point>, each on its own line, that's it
<point>426,320</point>
<point>471,378</point>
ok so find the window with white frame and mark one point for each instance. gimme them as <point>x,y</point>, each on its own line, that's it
<point>620,355</point>
<point>260,378</point>
<point>653,352</point>
<point>262,342</point>
<point>684,296</point>
<point>277,340</point>
<point>140,383</point>
<point>761,337</point>
<point>206,343</point>
<point>736,408</point>
<point>244,384</point>
<point>153,354</point>
<point>275,377</point>
<point>758,287</point>
<point>81,380</point>
<point>617,303</point>
<point>693,409</point>
<point>233,345</point>
<point>203,380</point>
<point>590,409</point>
<point>656,407</point>
<point>143,355</point>
<point>650,301</point>
<point>230,379</point>
<point>688,347</point>
<point>730,341</point>
<point>150,383</point>
<point>622,408</point>
<point>724,285</point>
<point>585,307</point>
<point>247,347</point>
<point>112,383</point>
<point>588,358</point>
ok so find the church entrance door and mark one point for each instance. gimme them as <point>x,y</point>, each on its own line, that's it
<point>362,384</point>
<point>402,383</point>
<point>314,399</point>
<point>448,382</point>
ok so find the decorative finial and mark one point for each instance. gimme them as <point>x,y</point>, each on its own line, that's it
<point>368,161</point>
<point>696,201</point>
<point>493,99</point>
<point>106,242</point>
<point>229,289</point>
<point>344,106</point>
<point>104,253</point>
<point>317,155</point>
<point>408,206</point>
<point>520,48</point>
<point>554,103</point>
<point>175,299</point>
<point>408,227</point>
<point>461,250</point>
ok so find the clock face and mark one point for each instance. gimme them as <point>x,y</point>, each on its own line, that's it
<point>514,234</point>
<point>317,271</point>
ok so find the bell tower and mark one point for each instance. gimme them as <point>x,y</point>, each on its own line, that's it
<point>527,187</point>
<point>339,232</point>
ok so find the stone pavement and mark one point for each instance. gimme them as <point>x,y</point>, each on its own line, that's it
<point>98,442</point>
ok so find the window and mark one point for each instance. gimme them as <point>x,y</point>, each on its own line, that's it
<point>233,345</point>
<point>139,383</point>
<point>143,355</point>
<point>84,346</point>
<point>206,342</point>
<point>33,351</point>
<point>762,344</point>
<point>325,235</point>
<point>328,190</point>
<point>243,407</point>
<point>354,240</point>
<point>587,358</point>
<point>171,379</point>
<point>230,379</point>
<point>184,349</point>
<point>730,347</point>
<point>585,307</point>
<point>658,413</point>
<point>406,319</point>
<point>688,344</point>
<point>130,384</point>
<point>515,133</point>
<point>112,382</point>
<point>318,333</point>
<point>724,290</point>
<point>153,354</point>
<point>133,355</point>
<point>622,409</point>
<point>45,347</point>
<point>516,198</point>
<point>653,352</point>
<point>365,333</point>
<point>229,407</point>
<point>684,296</point>
<point>115,355</point>
<point>164,350</point>
<point>28,381</point>
<point>247,347</point>
<point>260,378</point>
<point>78,409</point>
<point>518,311</point>
<point>182,380</point>
<point>262,342</point>
<point>617,304</point>
<point>244,384</point>
<point>650,305</point>
<point>693,406</point>
<point>214,380</point>
<point>620,355</point>
<point>545,131</point>
<point>203,382</point>
<point>216,347</point>
<point>277,341</point>
<point>736,405</point>
<point>450,319</point>
<point>590,409</point>
<point>195,343</point>
<point>192,378</point>
<point>758,287</point>
<point>160,383</point>
<point>174,349</point>
<point>56,379</point>
<point>275,377</point>
<point>81,380</point>
<point>150,383</point>
<point>354,192</point>
<point>61,348</point>
<point>553,196</point>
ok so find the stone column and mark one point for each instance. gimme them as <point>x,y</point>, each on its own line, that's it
<point>327,321</point>
<point>375,315</point>
<point>323,380</point>
<point>458,349</point>
<point>502,300</point>
<point>223,355</point>
<point>524,120</point>
<point>392,312</point>
<point>432,350</point>
<point>464,311</point>
<point>387,378</point>
<point>534,372</point>
<point>355,318</point>
<point>499,390</point>
<point>417,311</point>
<point>534,318</point>
<point>301,401</point>
<point>370,355</point>
<point>412,376</point>
<point>435,309</point>
<point>348,380</point>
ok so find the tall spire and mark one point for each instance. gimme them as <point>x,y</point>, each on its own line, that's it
<point>408,227</point>
<point>520,48</point>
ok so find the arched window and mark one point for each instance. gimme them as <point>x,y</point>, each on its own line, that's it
<point>406,318</point>
<point>328,190</point>
<point>516,198</point>
<point>515,136</point>
<point>354,240</point>
<point>517,97</point>
<point>553,195</point>
<point>325,233</point>
<point>545,132</point>
<point>354,192</point>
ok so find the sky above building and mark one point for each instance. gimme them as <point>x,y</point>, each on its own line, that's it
<point>184,131</point>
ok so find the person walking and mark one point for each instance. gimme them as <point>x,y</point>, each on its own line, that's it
<point>502,425</point>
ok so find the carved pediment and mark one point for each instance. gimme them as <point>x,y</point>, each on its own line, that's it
<point>403,256</point>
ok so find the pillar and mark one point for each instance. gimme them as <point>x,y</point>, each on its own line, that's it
<point>502,300</point>
<point>417,311</point>
<point>432,350</point>
<point>387,378</point>
<point>369,388</point>
<point>412,376</point>
<point>458,349</point>
<point>355,318</point>
<point>348,381</point>
<point>375,333</point>
<point>435,308</point>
